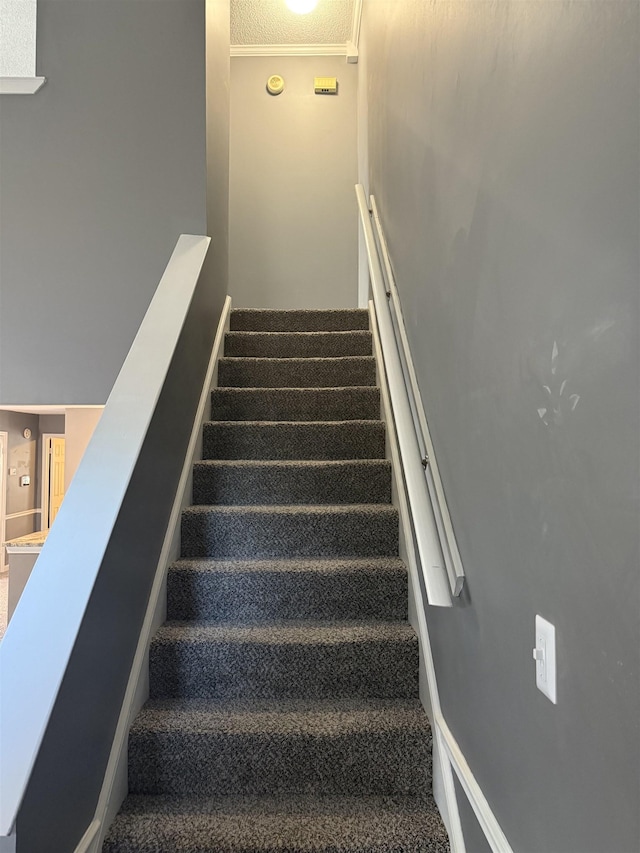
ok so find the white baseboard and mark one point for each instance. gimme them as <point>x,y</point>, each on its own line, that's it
<point>114,788</point>
<point>496,838</point>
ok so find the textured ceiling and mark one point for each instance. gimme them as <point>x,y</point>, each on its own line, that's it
<point>271,22</point>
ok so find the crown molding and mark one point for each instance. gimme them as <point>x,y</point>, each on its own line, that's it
<point>288,50</point>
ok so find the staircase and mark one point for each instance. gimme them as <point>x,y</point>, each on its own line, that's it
<point>283,712</point>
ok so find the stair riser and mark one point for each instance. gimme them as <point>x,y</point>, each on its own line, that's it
<point>266,825</point>
<point>296,373</point>
<point>227,440</point>
<point>295,404</point>
<point>297,344</point>
<point>288,484</point>
<point>265,535</point>
<point>227,671</point>
<point>265,596</point>
<point>210,764</point>
<point>299,321</point>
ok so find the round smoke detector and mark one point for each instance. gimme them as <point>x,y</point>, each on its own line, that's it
<point>275,84</point>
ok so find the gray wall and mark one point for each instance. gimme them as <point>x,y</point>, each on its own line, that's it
<point>23,455</point>
<point>505,160</point>
<point>52,423</point>
<point>100,172</point>
<point>293,166</point>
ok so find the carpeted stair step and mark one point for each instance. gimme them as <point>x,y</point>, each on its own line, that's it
<point>297,344</point>
<point>287,660</point>
<point>296,404</point>
<point>266,320</point>
<point>245,482</point>
<point>293,440</point>
<point>267,532</point>
<point>296,372</point>
<point>271,590</point>
<point>277,825</point>
<point>351,748</point>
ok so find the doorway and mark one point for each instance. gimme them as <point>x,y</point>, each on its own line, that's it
<point>4,445</point>
<point>53,453</point>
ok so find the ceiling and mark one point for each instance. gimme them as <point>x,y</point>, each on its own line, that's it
<point>269,22</point>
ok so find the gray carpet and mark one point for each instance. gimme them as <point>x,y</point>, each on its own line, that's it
<point>295,404</point>
<point>247,481</point>
<point>284,714</point>
<point>297,344</point>
<point>296,372</point>
<point>294,440</point>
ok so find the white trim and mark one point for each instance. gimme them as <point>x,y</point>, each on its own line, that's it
<point>24,512</point>
<point>21,85</point>
<point>488,822</point>
<point>288,50</point>
<point>22,549</point>
<point>443,787</point>
<point>114,784</point>
<point>357,21</point>
<point>352,53</point>
<point>86,842</point>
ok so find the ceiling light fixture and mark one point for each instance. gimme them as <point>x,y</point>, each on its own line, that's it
<point>301,7</point>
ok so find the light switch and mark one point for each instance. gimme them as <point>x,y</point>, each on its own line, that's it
<point>544,655</point>
<point>325,85</point>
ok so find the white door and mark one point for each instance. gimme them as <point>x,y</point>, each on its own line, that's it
<point>56,477</point>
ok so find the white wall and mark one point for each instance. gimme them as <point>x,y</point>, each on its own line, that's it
<point>293,231</point>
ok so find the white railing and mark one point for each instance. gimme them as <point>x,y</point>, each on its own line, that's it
<point>36,650</point>
<point>442,569</point>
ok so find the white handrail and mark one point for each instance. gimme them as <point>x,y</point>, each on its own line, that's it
<point>446,533</point>
<point>40,638</point>
<point>425,530</point>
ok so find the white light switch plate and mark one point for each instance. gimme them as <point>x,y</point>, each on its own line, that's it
<point>544,655</point>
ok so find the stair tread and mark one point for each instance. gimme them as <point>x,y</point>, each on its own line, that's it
<point>310,333</point>
<point>286,824</point>
<point>294,463</point>
<point>356,402</point>
<point>284,344</point>
<point>326,565</point>
<point>298,631</point>
<point>322,359</point>
<point>302,425</point>
<point>291,717</point>
<point>269,319</point>
<point>293,509</point>
<point>295,389</point>
<point>316,372</point>
<point>356,439</point>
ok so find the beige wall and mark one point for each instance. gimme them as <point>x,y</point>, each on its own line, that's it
<point>79,426</point>
<point>293,166</point>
